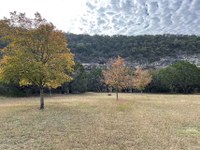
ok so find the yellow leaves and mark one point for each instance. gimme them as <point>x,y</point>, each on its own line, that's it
<point>9,69</point>
<point>24,82</point>
<point>57,80</point>
<point>1,74</point>
<point>5,60</point>
<point>36,55</point>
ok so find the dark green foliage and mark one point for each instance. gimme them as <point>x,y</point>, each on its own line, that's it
<point>146,48</point>
<point>181,77</point>
<point>156,85</point>
<point>80,80</point>
<point>2,44</point>
<point>95,83</point>
<point>17,91</point>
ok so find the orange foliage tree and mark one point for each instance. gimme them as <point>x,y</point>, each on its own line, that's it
<point>141,79</point>
<point>116,75</point>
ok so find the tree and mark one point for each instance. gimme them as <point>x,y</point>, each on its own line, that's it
<point>80,80</point>
<point>141,79</point>
<point>156,85</point>
<point>116,75</point>
<point>36,53</point>
<point>181,77</point>
<point>95,77</point>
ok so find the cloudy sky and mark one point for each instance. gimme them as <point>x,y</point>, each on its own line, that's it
<point>108,17</point>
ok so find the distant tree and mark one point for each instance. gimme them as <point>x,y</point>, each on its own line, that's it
<point>181,77</point>
<point>95,82</point>
<point>116,75</point>
<point>156,85</point>
<point>141,79</point>
<point>36,53</point>
<point>80,80</point>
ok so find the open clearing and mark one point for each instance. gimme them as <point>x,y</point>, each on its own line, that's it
<point>97,122</point>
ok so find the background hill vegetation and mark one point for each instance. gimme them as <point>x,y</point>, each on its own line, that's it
<point>144,48</point>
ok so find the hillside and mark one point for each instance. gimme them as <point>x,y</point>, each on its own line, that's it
<point>151,50</point>
<point>148,50</point>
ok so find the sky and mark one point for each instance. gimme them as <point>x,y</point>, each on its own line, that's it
<point>113,17</point>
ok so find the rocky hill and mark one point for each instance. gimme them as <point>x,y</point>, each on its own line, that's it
<point>152,51</point>
<point>155,51</point>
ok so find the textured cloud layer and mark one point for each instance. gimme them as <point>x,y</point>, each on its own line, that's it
<point>133,17</point>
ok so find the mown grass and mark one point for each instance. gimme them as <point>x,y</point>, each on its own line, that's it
<point>98,122</point>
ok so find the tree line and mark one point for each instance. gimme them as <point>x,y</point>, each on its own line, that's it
<point>180,77</point>
<point>142,48</point>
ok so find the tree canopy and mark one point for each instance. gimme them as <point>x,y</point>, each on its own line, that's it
<point>116,74</point>
<point>181,77</point>
<point>36,53</point>
<point>141,79</point>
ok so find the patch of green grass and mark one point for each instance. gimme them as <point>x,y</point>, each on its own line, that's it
<point>123,107</point>
<point>97,121</point>
<point>191,130</point>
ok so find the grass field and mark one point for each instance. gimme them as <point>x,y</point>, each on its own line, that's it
<point>98,122</point>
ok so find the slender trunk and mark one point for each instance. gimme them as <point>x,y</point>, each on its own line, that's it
<point>41,99</point>
<point>117,94</point>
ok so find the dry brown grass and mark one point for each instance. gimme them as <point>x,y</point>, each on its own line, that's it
<point>97,122</point>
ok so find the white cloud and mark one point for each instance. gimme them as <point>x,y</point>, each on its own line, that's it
<point>59,12</point>
<point>128,17</point>
<point>132,17</point>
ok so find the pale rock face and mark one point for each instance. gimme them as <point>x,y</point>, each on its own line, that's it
<point>166,61</point>
<point>136,17</point>
<point>162,63</point>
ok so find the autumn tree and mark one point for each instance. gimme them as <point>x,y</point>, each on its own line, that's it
<point>116,75</point>
<point>141,79</point>
<point>36,53</point>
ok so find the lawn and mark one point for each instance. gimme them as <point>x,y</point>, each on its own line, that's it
<point>98,122</point>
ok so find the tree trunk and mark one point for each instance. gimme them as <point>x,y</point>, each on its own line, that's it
<point>41,99</point>
<point>117,94</point>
